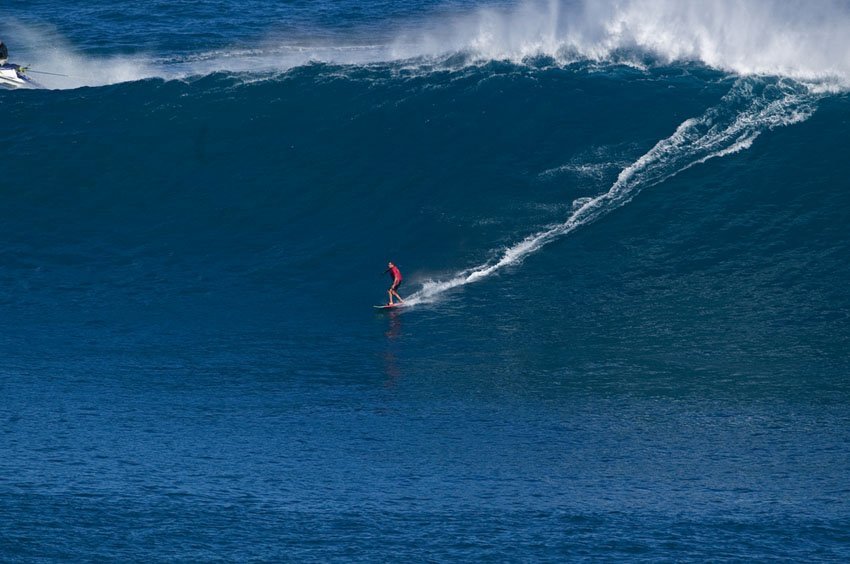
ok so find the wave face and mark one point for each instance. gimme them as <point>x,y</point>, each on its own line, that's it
<point>258,174</point>
<point>723,130</point>
<point>623,231</point>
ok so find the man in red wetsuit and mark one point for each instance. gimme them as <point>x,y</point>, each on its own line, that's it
<point>396,274</point>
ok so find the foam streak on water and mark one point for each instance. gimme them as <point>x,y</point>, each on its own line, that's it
<point>751,107</point>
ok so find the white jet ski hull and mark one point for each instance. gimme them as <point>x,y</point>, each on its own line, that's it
<point>11,78</point>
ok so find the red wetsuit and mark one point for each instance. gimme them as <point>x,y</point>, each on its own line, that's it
<point>396,274</point>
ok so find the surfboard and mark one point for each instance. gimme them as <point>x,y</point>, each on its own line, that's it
<point>387,306</point>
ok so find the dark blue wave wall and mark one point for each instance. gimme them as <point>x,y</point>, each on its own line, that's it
<point>229,202</point>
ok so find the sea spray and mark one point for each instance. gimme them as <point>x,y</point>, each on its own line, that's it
<point>801,40</point>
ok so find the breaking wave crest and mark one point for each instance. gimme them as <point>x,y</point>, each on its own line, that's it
<point>806,41</point>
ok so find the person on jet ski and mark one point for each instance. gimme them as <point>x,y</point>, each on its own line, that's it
<point>4,57</point>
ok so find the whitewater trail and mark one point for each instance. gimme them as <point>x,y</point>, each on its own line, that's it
<point>751,107</point>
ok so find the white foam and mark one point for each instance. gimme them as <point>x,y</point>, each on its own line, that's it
<point>805,40</point>
<point>720,131</point>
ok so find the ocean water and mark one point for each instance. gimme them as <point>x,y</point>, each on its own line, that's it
<point>623,228</point>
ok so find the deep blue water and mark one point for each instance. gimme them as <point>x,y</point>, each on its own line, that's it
<point>630,330</point>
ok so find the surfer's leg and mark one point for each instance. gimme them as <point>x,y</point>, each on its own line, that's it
<point>394,290</point>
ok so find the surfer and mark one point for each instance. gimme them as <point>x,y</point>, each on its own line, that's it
<point>396,274</point>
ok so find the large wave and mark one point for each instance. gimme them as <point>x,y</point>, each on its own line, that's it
<point>799,49</point>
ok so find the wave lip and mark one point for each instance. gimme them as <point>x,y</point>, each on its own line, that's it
<point>807,41</point>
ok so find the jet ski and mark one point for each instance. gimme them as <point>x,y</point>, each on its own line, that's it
<point>15,76</point>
